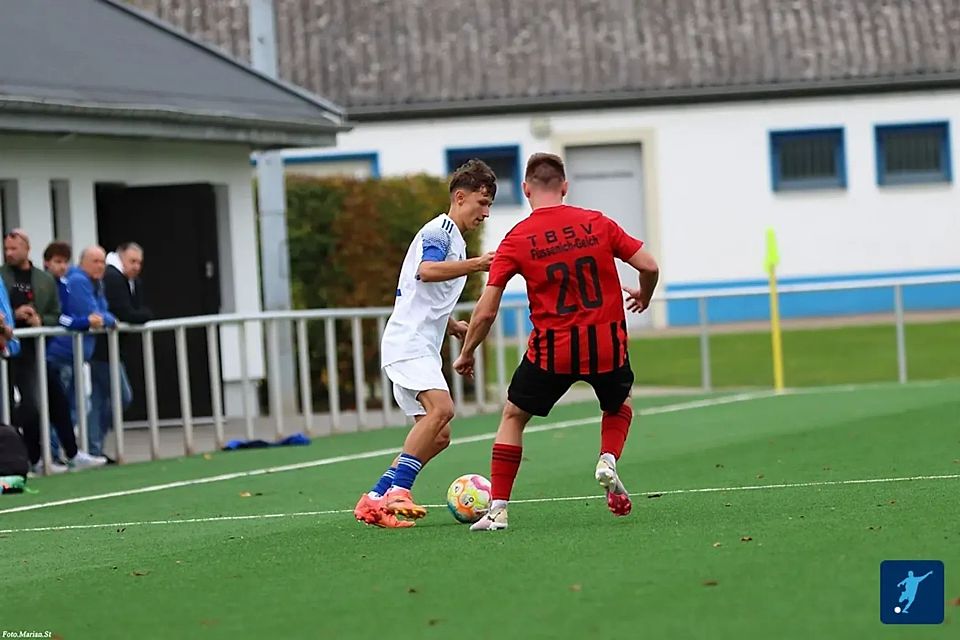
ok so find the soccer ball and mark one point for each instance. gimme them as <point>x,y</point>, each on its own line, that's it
<point>468,498</point>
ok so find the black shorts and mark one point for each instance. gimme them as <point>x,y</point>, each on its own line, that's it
<point>536,391</point>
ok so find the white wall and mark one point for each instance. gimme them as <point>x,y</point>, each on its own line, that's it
<point>33,161</point>
<point>712,179</point>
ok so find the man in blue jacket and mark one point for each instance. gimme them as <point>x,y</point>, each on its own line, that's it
<point>85,307</point>
<point>56,262</point>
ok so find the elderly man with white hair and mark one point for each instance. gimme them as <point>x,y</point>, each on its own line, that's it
<point>85,300</point>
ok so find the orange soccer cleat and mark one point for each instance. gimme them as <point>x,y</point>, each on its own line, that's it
<point>369,512</point>
<point>399,502</point>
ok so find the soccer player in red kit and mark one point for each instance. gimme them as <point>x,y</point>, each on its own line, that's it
<point>567,256</point>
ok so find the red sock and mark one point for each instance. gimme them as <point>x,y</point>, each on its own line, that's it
<point>613,430</point>
<point>504,465</point>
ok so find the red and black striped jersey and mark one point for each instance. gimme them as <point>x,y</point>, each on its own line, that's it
<point>566,256</point>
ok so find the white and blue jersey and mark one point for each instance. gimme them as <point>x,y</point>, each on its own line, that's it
<point>421,310</point>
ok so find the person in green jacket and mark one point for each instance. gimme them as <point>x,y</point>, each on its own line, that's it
<point>36,302</point>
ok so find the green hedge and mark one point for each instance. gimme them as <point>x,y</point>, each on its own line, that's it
<point>347,240</point>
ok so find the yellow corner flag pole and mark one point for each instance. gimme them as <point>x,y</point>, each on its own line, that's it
<point>771,262</point>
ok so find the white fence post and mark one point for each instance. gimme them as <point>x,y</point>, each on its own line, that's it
<point>355,317</point>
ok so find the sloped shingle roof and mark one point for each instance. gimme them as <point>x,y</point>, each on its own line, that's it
<point>404,57</point>
<point>102,57</point>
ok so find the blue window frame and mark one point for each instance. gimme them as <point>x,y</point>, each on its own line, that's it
<point>913,153</point>
<point>329,158</point>
<point>505,162</point>
<point>807,159</point>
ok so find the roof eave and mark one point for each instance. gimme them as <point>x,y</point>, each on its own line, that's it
<point>659,97</point>
<point>38,116</point>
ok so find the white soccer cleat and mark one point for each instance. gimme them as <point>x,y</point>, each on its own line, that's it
<point>84,460</point>
<point>606,475</point>
<point>495,520</point>
<point>618,499</point>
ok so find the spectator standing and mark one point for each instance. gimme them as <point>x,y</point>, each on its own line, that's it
<point>125,300</point>
<point>85,299</point>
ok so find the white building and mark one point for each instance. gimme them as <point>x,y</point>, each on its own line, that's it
<point>696,125</point>
<point>114,127</point>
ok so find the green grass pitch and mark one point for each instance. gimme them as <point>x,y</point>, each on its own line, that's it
<point>812,357</point>
<point>275,554</point>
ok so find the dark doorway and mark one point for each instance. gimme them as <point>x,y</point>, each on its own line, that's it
<point>177,228</point>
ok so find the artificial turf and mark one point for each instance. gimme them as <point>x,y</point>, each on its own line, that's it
<point>787,562</point>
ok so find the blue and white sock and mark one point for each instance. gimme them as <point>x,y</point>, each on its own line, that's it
<point>408,467</point>
<point>384,483</point>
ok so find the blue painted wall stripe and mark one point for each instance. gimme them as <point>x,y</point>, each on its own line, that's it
<point>815,303</point>
<point>793,305</point>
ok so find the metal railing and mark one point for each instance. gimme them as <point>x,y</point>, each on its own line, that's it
<point>271,321</point>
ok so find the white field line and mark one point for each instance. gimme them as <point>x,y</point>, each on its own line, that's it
<point>650,494</point>
<point>671,408</point>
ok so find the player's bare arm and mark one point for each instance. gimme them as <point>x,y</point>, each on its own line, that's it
<point>480,322</point>
<point>430,271</point>
<point>457,328</point>
<point>639,299</point>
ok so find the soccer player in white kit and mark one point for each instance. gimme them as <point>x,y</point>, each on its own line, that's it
<point>432,278</point>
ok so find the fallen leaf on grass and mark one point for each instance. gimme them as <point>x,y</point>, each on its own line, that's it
<point>746,539</point>
<point>139,573</point>
<point>710,583</point>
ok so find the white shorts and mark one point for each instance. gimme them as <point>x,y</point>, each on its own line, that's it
<point>410,377</point>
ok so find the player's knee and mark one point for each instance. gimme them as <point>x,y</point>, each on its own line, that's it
<point>514,417</point>
<point>443,412</point>
<point>511,411</point>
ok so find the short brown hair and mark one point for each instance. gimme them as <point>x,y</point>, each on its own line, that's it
<point>545,170</point>
<point>474,175</point>
<point>57,249</point>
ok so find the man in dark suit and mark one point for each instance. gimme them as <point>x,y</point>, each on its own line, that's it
<point>125,298</point>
